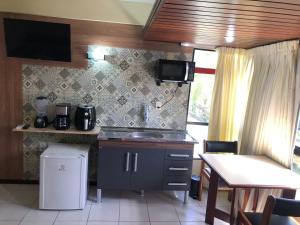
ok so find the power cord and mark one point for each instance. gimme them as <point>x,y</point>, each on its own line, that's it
<point>166,102</point>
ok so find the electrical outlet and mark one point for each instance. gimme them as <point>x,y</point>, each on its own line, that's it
<point>158,105</point>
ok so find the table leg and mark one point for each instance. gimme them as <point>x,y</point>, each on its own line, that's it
<point>255,199</point>
<point>232,218</point>
<point>289,193</point>
<point>212,197</point>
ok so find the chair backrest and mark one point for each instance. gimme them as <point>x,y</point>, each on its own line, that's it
<point>286,207</point>
<point>280,207</point>
<point>220,146</point>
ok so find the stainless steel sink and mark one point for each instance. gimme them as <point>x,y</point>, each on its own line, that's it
<point>146,135</point>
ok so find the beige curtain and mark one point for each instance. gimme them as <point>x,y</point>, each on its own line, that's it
<point>233,76</point>
<point>270,119</point>
<point>269,124</point>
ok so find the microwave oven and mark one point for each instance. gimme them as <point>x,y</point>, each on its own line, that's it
<point>181,72</point>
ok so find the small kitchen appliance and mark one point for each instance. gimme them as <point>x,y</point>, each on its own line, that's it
<point>85,117</point>
<point>181,72</point>
<point>62,120</point>
<point>41,105</point>
<point>63,177</point>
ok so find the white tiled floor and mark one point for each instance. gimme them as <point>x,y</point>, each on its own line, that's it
<point>19,206</point>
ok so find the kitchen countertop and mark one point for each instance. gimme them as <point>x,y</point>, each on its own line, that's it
<point>127,134</point>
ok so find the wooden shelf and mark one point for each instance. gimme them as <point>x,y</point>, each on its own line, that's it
<point>52,130</point>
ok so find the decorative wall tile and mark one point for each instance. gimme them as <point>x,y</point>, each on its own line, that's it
<point>118,87</point>
<point>27,71</point>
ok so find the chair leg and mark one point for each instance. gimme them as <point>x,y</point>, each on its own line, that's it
<point>242,219</point>
<point>255,199</point>
<point>247,192</point>
<point>238,219</point>
<point>200,188</point>
<point>229,196</point>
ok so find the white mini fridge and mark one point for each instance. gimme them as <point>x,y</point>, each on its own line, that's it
<point>63,177</point>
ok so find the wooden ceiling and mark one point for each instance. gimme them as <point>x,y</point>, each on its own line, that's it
<point>206,23</point>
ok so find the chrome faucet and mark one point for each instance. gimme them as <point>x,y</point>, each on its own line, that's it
<point>146,112</point>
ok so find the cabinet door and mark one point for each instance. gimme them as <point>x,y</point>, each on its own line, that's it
<point>147,169</point>
<point>113,168</point>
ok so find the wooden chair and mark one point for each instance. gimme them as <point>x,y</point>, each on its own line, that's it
<point>277,211</point>
<point>216,147</point>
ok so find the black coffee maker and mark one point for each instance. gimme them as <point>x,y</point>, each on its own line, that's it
<point>62,120</point>
<point>85,117</point>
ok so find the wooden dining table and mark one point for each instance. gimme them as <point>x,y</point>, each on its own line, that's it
<point>245,171</point>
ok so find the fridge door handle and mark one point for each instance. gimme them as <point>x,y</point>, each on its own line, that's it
<point>135,166</point>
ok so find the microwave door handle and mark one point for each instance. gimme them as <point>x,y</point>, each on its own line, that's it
<point>186,71</point>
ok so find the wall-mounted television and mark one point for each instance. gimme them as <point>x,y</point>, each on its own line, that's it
<point>37,40</point>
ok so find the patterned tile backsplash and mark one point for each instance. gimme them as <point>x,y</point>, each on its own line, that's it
<point>119,87</point>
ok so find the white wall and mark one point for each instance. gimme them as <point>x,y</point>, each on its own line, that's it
<point>117,11</point>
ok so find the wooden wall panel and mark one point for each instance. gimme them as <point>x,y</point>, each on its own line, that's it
<point>11,156</point>
<point>83,33</point>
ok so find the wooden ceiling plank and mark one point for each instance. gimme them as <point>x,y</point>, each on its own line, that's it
<point>228,17</point>
<point>231,21</point>
<point>204,36</point>
<point>260,4</point>
<point>212,32</point>
<point>234,7</point>
<point>224,25</point>
<point>210,41</point>
<point>229,12</point>
<point>240,37</point>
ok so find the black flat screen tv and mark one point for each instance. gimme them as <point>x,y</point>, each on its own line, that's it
<point>37,40</point>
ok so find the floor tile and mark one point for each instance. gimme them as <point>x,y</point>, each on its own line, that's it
<point>189,213</point>
<point>160,197</point>
<point>19,194</point>
<point>36,223</point>
<point>107,196</point>
<point>162,212</point>
<point>69,223</point>
<point>102,223</point>
<point>165,223</point>
<point>132,197</point>
<point>190,202</point>
<point>134,223</point>
<point>13,212</point>
<point>220,222</point>
<point>41,215</point>
<point>74,215</point>
<point>133,212</point>
<point>105,211</point>
<point>9,222</point>
<point>193,223</point>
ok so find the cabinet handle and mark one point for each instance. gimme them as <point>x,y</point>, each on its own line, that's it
<point>135,162</point>
<point>177,184</point>
<point>180,155</point>
<point>127,162</point>
<point>178,169</point>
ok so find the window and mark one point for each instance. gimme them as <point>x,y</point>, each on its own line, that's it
<point>200,96</point>
<point>297,143</point>
<point>296,163</point>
